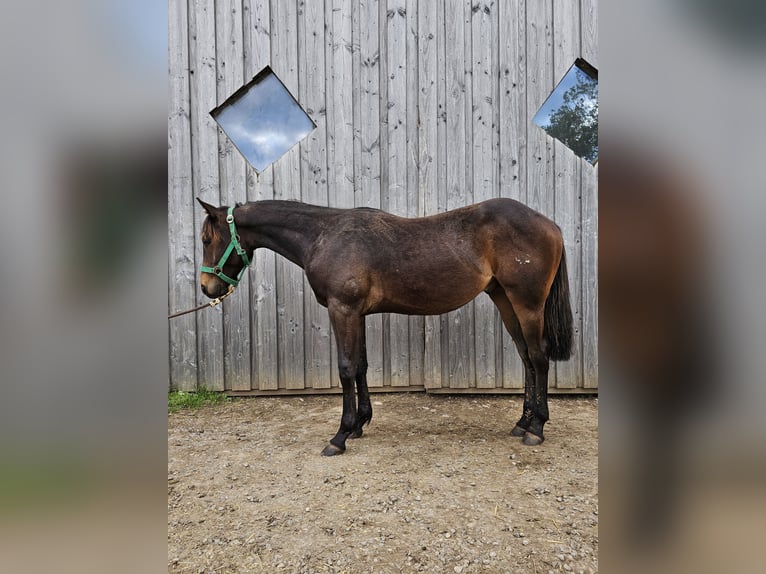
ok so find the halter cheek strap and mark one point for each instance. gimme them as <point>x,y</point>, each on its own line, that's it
<point>234,245</point>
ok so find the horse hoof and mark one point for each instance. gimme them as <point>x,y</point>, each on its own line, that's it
<point>518,431</point>
<point>332,450</point>
<point>532,439</point>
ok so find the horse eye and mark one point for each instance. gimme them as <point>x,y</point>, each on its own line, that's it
<point>205,242</point>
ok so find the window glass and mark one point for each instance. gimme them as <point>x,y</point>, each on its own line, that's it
<point>570,114</point>
<point>263,120</point>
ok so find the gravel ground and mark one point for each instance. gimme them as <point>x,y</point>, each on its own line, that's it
<point>437,484</point>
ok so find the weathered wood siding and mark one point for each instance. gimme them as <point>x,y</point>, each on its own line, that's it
<point>420,107</point>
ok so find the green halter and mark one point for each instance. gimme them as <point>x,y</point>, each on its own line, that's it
<point>233,245</point>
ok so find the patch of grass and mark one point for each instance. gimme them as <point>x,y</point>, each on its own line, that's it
<point>178,400</point>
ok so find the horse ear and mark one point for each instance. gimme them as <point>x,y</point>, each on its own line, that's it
<point>210,209</point>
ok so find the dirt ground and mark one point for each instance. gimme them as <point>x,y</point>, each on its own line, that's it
<point>437,484</point>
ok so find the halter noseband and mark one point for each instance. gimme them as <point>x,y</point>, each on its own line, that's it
<point>233,246</point>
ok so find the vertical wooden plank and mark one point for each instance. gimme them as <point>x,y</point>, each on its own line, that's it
<point>484,74</point>
<point>356,95</point>
<point>589,192</point>
<point>428,119</point>
<point>329,48</point>
<point>236,316</point>
<point>396,31</point>
<point>340,128</point>
<point>412,189</point>
<point>589,31</point>
<point>262,274</point>
<point>513,104</point>
<point>439,377</point>
<point>383,15</point>
<point>441,143</point>
<point>499,332</point>
<point>512,143</point>
<point>567,169</point>
<point>204,140</point>
<point>368,193</point>
<point>470,308</point>
<point>540,192</point>
<point>264,300</point>
<point>181,269</point>
<point>314,162</point>
<point>286,170</point>
<point>539,86</point>
<point>356,120</point>
<point>460,347</point>
<point>590,276</point>
<point>256,36</point>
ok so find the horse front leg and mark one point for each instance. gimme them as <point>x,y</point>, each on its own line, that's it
<point>364,407</point>
<point>346,325</point>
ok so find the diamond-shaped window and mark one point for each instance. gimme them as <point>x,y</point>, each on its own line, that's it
<point>570,114</point>
<point>263,119</point>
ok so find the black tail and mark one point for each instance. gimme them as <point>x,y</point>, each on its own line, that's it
<point>558,316</point>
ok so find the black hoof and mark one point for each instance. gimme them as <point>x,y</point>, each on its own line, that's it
<point>532,439</point>
<point>332,450</point>
<point>518,431</point>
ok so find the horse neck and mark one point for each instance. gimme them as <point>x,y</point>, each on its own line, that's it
<point>286,227</point>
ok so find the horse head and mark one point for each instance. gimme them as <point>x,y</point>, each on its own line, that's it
<point>224,260</point>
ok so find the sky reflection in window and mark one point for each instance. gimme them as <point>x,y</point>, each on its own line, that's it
<point>263,120</point>
<point>570,114</point>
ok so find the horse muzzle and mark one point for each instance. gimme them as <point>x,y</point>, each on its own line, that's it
<point>212,286</point>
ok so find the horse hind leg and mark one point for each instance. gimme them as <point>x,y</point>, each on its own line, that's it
<point>511,322</point>
<point>531,322</point>
<point>524,319</point>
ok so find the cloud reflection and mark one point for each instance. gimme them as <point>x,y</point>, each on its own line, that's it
<point>264,121</point>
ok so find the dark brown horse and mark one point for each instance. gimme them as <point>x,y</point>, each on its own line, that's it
<point>363,261</point>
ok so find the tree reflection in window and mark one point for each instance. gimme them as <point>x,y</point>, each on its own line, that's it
<point>263,120</point>
<point>570,114</point>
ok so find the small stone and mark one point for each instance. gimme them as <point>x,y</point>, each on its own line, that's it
<point>458,569</point>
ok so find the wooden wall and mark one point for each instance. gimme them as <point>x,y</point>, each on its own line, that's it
<point>420,107</point>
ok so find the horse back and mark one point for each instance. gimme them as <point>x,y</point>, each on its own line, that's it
<point>428,265</point>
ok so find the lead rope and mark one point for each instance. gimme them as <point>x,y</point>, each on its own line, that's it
<point>213,303</point>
